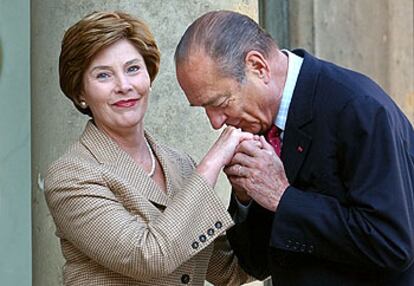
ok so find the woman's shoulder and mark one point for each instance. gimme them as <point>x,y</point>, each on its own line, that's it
<point>76,160</point>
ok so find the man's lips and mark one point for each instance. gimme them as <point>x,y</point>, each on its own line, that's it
<point>126,103</point>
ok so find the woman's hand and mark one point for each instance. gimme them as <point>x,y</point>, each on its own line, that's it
<point>222,152</point>
<point>224,148</point>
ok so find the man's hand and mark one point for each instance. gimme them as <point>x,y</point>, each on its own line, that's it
<point>257,172</point>
<point>221,153</point>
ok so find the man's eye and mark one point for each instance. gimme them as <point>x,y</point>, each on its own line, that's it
<point>102,75</point>
<point>224,103</point>
<point>133,69</point>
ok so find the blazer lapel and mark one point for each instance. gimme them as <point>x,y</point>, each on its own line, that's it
<point>296,141</point>
<point>121,164</point>
<point>170,167</point>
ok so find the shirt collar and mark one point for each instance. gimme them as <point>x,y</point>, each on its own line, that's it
<point>294,66</point>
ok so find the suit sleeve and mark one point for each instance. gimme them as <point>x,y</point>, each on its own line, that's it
<point>89,215</point>
<point>224,269</point>
<point>250,239</point>
<point>374,226</point>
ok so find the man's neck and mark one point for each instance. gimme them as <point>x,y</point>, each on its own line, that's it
<point>281,65</point>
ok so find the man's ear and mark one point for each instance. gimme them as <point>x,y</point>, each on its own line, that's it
<point>257,64</point>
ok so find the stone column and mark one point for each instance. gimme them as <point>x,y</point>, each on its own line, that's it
<point>372,37</point>
<point>15,191</point>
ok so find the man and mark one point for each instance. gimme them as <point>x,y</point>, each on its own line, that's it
<point>339,209</point>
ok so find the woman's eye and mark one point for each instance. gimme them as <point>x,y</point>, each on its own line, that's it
<point>133,68</point>
<point>102,75</point>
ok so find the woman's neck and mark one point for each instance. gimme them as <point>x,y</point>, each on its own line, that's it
<point>131,140</point>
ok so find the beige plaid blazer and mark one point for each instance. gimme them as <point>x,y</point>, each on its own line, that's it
<point>117,227</point>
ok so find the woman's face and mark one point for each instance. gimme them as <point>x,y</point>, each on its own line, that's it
<point>116,87</point>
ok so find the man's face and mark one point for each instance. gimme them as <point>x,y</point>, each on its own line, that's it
<point>225,100</point>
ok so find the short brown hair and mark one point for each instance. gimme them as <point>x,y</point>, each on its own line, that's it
<point>90,35</point>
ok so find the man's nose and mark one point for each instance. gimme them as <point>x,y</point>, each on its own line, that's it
<point>217,118</point>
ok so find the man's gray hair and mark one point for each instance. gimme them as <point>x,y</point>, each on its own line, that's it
<point>226,37</point>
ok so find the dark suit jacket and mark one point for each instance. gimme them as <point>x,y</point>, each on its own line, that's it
<point>348,216</point>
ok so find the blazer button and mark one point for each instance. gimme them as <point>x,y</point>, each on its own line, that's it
<point>210,231</point>
<point>194,245</point>
<point>218,224</point>
<point>303,248</point>
<point>185,279</point>
<point>310,250</point>
<point>202,238</point>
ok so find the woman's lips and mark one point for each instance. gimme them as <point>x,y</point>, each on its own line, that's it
<point>126,103</point>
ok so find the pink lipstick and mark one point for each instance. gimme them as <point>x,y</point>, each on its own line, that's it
<point>126,103</point>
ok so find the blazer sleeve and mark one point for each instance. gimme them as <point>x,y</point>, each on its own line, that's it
<point>374,225</point>
<point>89,215</point>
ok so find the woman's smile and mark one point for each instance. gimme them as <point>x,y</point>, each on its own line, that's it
<point>126,103</point>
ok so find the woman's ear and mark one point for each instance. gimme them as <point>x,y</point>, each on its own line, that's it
<point>257,64</point>
<point>81,96</point>
<point>81,101</point>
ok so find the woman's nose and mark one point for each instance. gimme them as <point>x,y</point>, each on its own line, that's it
<point>123,84</point>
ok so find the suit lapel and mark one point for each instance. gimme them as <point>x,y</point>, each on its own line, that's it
<point>296,145</point>
<point>297,141</point>
<point>121,164</point>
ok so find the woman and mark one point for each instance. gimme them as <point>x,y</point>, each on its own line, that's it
<point>129,210</point>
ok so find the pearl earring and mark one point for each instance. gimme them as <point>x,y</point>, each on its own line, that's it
<point>83,104</point>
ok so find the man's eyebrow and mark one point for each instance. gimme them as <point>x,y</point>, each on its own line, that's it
<point>216,98</point>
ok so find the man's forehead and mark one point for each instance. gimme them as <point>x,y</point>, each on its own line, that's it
<point>198,61</point>
<point>195,72</point>
<point>200,80</point>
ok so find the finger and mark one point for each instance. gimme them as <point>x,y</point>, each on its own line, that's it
<point>250,147</point>
<point>244,160</point>
<point>256,137</point>
<point>232,180</point>
<point>245,136</point>
<point>231,131</point>
<point>237,171</point>
<point>228,170</point>
<point>266,145</point>
<point>237,182</point>
<point>233,170</point>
